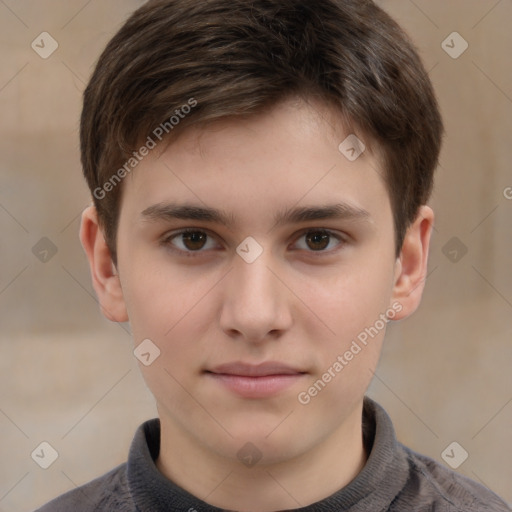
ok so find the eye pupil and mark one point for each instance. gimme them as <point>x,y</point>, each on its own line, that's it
<point>194,237</point>
<point>320,237</point>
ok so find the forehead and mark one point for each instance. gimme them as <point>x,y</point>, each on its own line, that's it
<point>294,154</point>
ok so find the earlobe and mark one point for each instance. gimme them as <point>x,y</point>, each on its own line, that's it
<point>411,267</point>
<point>105,279</point>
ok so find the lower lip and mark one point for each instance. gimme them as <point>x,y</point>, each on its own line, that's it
<point>256,387</point>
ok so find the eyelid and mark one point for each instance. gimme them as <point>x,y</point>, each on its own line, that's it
<point>168,237</point>
<point>342,238</point>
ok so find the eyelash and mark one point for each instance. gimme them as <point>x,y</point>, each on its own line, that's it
<point>192,254</point>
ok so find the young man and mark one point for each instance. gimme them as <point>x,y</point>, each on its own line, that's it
<point>260,172</point>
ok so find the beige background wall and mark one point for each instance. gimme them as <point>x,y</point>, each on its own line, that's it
<point>68,376</point>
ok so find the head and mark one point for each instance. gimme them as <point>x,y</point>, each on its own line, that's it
<point>242,107</point>
<point>179,63</point>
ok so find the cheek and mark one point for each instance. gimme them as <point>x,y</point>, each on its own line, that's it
<point>159,295</point>
<point>351,299</point>
<point>175,310</point>
<point>175,322</point>
<point>352,306</point>
<point>354,309</point>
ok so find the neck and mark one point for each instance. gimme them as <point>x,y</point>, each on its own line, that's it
<point>288,484</point>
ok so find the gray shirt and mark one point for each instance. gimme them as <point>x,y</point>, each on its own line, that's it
<point>394,479</point>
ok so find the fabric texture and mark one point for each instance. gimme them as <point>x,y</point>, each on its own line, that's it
<point>394,479</point>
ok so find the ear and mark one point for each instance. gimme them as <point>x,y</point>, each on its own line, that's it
<point>105,279</point>
<point>411,266</point>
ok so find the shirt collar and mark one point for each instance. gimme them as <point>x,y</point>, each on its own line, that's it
<point>380,480</point>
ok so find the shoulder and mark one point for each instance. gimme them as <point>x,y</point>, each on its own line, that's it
<point>105,493</point>
<point>433,483</point>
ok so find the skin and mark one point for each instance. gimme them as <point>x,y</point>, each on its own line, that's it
<point>300,302</point>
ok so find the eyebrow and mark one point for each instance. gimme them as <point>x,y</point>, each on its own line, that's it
<point>172,211</point>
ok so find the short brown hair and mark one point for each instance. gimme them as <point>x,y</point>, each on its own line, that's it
<point>235,57</point>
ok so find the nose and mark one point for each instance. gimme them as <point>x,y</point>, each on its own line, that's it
<point>256,302</point>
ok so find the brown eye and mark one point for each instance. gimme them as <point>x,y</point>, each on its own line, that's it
<point>318,240</point>
<point>194,240</point>
<point>188,242</point>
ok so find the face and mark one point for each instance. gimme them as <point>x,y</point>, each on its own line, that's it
<point>268,324</point>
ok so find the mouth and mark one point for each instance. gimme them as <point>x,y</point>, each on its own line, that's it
<point>255,381</point>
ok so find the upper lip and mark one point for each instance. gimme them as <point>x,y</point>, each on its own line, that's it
<point>255,370</point>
